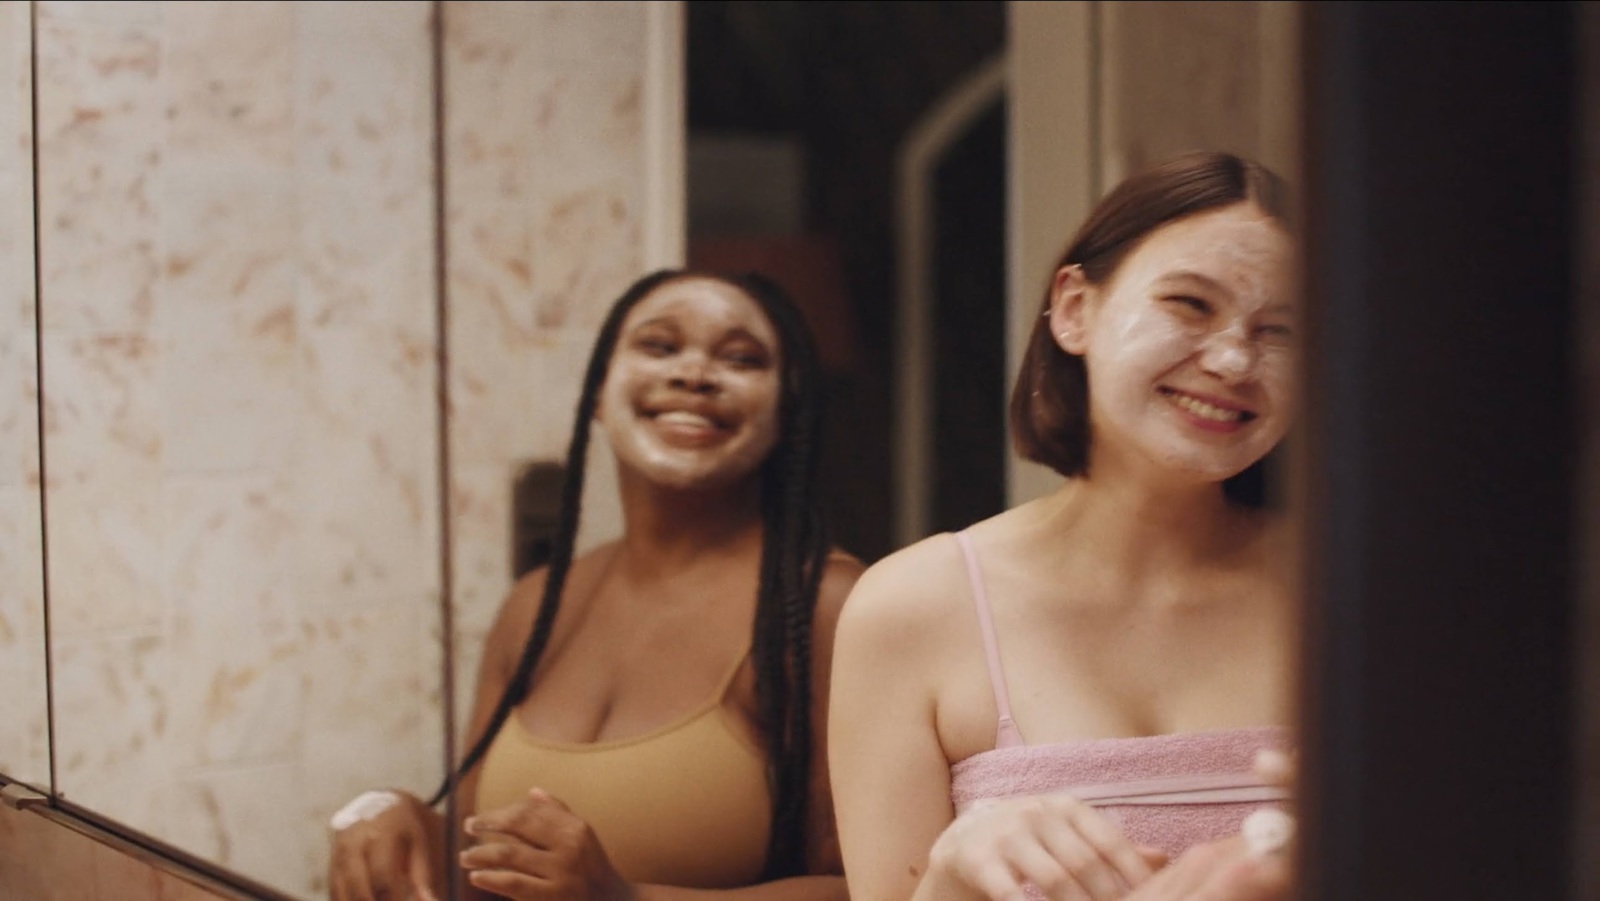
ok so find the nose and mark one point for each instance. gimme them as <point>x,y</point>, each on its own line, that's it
<point>1230,355</point>
<point>692,372</point>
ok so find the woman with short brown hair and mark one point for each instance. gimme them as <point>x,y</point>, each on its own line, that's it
<point>1086,678</point>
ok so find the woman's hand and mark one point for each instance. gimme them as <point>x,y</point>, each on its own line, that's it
<point>538,850</point>
<point>1056,842</point>
<point>1224,870</point>
<point>390,856</point>
<point>1231,869</point>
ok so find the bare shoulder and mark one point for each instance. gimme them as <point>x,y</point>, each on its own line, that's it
<point>842,561</point>
<point>514,622</point>
<point>840,573</point>
<point>906,599</point>
<point>925,590</point>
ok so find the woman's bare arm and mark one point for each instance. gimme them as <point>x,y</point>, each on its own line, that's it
<point>890,773</point>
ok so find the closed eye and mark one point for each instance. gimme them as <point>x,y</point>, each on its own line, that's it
<point>747,361</point>
<point>743,353</point>
<point>1190,302</point>
<point>656,347</point>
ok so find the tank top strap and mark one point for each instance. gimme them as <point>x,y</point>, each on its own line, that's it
<point>1006,733</point>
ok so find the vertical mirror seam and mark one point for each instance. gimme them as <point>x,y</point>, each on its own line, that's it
<point>38,363</point>
<point>441,274</point>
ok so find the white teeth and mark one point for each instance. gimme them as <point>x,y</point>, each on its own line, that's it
<point>685,418</point>
<point>1206,411</point>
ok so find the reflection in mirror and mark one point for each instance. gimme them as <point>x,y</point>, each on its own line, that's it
<point>536,511</point>
<point>557,121</point>
<point>24,751</point>
<point>238,336</point>
<point>799,117</point>
<point>240,344</point>
<point>1088,97</point>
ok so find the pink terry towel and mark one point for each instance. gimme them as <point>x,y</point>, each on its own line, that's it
<point>1165,791</point>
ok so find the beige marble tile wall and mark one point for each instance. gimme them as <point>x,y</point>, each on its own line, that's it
<point>546,174</point>
<point>239,346</point>
<point>1236,63</point>
<point>1099,90</point>
<point>24,753</point>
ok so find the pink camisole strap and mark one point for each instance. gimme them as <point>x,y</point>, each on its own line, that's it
<point>1006,733</point>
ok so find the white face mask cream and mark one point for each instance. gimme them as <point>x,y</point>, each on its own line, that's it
<point>691,396</point>
<point>1190,345</point>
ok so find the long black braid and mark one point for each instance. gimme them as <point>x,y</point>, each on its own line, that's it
<point>793,555</point>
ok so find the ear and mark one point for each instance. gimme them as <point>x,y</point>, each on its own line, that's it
<point>1070,295</point>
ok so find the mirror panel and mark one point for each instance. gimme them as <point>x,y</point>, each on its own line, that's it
<point>239,330</point>
<point>552,203</point>
<point>242,338</point>
<point>1236,63</point>
<point>24,748</point>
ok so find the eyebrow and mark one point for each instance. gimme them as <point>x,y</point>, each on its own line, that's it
<point>734,333</point>
<point>1189,275</point>
<point>665,321</point>
<point>739,332</point>
<point>1206,281</point>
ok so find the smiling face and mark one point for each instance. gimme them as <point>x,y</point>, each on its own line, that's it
<point>691,396</point>
<point>1190,346</point>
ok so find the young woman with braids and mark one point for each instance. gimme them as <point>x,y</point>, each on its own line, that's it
<point>650,715</point>
<point>1062,698</point>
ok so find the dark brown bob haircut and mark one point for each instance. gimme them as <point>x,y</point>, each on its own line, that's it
<point>1050,403</point>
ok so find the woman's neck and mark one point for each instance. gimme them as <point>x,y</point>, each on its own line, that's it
<point>1130,520</point>
<point>667,529</point>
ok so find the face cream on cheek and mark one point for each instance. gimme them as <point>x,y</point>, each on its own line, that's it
<point>761,436</point>
<point>1159,389</point>
<point>689,467</point>
<point>1137,368</point>
<point>1127,361</point>
<point>638,443</point>
<point>673,467</point>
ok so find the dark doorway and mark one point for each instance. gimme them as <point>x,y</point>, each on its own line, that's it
<point>819,96</point>
<point>969,316</point>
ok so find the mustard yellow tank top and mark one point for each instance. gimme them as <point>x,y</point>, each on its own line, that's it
<point>686,804</point>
